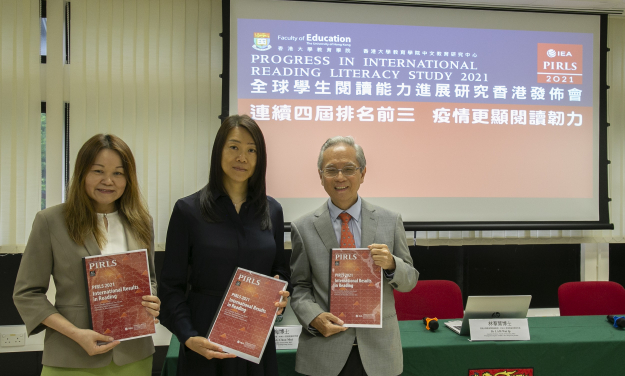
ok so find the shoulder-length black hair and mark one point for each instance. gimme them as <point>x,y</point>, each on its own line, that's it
<point>256,188</point>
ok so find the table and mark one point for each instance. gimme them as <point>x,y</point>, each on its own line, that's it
<point>576,345</point>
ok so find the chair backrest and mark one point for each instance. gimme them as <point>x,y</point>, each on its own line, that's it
<point>591,298</point>
<point>435,298</point>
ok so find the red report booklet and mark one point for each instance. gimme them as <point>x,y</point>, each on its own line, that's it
<point>355,288</point>
<point>247,314</point>
<point>116,283</point>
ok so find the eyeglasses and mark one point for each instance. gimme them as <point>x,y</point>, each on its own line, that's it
<point>332,172</point>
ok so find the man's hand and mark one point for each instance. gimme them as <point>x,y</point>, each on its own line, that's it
<point>382,256</point>
<point>285,295</point>
<point>327,324</point>
<point>207,349</point>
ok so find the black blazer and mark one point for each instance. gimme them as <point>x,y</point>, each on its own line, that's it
<point>200,258</point>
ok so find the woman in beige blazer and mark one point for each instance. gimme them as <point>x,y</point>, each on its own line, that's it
<point>104,213</point>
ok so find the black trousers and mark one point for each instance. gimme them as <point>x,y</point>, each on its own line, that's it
<point>353,366</point>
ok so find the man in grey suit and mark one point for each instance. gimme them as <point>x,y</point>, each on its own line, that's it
<point>325,346</point>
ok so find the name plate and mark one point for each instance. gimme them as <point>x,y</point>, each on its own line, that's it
<point>499,330</point>
<point>287,336</point>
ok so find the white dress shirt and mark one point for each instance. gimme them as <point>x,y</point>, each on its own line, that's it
<point>115,236</point>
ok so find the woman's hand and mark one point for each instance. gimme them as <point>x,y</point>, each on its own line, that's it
<point>284,302</point>
<point>207,349</point>
<point>88,340</point>
<point>152,304</point>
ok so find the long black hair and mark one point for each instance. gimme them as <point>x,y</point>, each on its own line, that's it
<point>256,188</point>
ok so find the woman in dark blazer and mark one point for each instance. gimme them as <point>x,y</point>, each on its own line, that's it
<point>104,213</point>
<point>229,223</point>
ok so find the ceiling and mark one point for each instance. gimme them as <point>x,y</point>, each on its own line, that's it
<point>611,6</point>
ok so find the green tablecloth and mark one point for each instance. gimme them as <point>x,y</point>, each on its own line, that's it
<point>582,345</point>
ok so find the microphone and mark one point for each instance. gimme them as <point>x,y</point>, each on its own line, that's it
<point>432,324</point>
<point>617,321</point>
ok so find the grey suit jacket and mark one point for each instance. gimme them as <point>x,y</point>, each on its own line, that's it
<point>312,237</point>
<point>50,251</point>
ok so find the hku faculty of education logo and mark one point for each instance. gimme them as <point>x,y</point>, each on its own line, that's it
<point>261,41</point>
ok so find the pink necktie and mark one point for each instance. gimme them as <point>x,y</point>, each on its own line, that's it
<point>347,238</point>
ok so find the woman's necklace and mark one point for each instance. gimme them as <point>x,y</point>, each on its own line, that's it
<point>239,202</point>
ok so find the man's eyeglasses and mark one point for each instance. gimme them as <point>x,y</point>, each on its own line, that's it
<point>346,171</point>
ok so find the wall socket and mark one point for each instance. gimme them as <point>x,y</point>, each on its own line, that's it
<point>12,339</point>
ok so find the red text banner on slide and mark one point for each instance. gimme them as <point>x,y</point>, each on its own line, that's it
<point>507,150</point>
<point>247,314</point>
<point>355,287</point>
<point>116,284</point>
<point>502,372</point>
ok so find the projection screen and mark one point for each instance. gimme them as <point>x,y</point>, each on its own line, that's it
<point>469,119</point>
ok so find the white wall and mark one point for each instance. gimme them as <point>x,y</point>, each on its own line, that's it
<point>148,72</point>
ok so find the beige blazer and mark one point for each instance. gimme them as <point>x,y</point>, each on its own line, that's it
<point>312,237</point>
<point>50,251</point>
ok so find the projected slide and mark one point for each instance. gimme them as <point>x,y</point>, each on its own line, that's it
<point>470,119</point>
<point>462,112</point>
